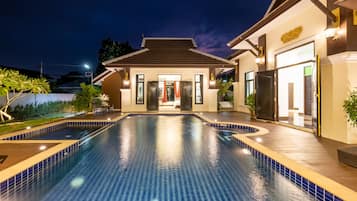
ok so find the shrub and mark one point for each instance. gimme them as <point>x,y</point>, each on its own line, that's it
<point>251,105</point>
<point>30,111</point>
<point>350,107</point>
<point>85,98</point>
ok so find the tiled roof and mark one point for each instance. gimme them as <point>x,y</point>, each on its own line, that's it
<point>169,52</point>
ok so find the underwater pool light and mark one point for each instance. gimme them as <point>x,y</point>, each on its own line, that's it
<point>245,151</point>
<point>77,182</point>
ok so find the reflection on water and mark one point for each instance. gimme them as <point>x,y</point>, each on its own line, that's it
<point>197,137</point>
<point>212,147</point>
<point>125,143</point>
<point>168,142</point>
<point>259,189</point>
<point>153,157</point>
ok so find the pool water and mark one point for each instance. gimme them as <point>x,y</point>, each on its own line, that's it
<point>64,133</point>
<point>160,158</point>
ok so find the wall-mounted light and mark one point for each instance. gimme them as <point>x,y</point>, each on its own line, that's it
<point>212,81</point>
<point>260,59</point>
<point>334,33</point>
<point>126,81</point>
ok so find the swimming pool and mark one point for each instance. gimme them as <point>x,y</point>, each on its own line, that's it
<point>159,158</point>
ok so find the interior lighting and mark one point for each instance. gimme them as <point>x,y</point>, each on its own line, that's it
<point>28,127</point>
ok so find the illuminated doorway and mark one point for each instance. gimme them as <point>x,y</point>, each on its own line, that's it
<point>169,90</point>
<point>295,94</point>
<point>297,86</point>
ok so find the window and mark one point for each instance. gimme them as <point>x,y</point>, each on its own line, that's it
<point>199,89</point>
<point>140,89</point>
<point>249,84</point>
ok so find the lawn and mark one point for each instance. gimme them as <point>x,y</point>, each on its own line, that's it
<point>15,126</point>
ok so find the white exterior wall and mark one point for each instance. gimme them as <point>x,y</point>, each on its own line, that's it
<point>338,74</point>
<point>246,64</point>
<point>339,79</point>
<point>151,74</point>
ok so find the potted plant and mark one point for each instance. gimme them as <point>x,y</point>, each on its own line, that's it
<point>225,94</point>
<point>250,102</point>
<point>350,107</point>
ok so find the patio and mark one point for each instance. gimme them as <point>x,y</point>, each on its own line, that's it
<point>317,154</point>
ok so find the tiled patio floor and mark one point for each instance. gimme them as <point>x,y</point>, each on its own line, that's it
<point>318,154</point>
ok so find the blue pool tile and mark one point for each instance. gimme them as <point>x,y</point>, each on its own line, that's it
<point>328,196</point>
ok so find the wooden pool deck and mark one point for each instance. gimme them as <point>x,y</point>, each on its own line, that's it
<point>318,154</point>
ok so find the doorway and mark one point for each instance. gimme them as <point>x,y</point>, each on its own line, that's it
<point>169,98</point>
<point>295,94</point>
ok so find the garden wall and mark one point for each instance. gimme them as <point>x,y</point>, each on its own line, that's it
<point>39,98</point>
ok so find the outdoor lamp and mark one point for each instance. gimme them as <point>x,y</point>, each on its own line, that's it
<point>126,80</point>
<point>260,59</point>
<point>212,81</point>
<point>333,33</point>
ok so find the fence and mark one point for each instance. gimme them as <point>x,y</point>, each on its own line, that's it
<point>39,98</point>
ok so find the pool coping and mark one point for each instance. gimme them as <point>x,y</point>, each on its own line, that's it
<point>14,174</point>
<point>338,191</point>
<point>35,159</point>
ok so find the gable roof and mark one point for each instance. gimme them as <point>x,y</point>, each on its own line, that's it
<point>168,52</point>
<point>273,5</point>
<point>168,42</point>
<point>270,16</point>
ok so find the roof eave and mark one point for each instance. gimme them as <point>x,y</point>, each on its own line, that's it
<point>138,65</point>
<point>261,23</point>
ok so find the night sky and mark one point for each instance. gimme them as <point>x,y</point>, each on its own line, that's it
<point>70,31</point>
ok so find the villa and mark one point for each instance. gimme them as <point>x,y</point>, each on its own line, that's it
<point>167,74</point>
<point>166,139</point>
<point>300,60</point>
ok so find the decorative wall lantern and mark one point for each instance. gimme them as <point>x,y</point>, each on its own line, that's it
<point>260,59</point>
<point>212,81</point>
<point>126,81</point>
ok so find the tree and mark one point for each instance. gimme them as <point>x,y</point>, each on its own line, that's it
<point>224,90</point>
<point>84,99</point>
<point>110,49</point>
<point>13,85</point>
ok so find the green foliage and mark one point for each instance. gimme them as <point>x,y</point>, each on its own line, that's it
<point>84,99</point>
<point>11,81</point>
<point>31,111</point>
<point>251,104</point>
<point>110,49</point>
<point>350,107</point>
<point>224,90</point>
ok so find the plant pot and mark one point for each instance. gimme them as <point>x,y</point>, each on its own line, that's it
<point>252,115</point>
